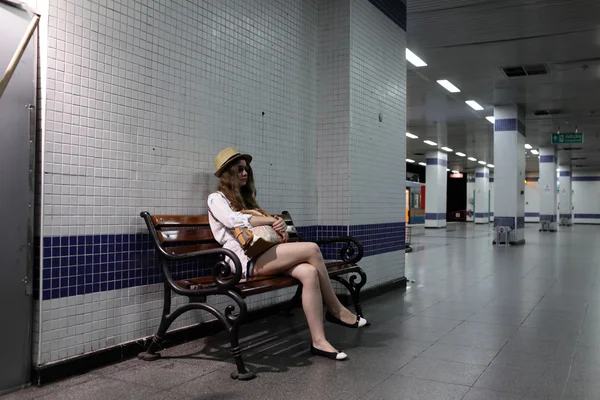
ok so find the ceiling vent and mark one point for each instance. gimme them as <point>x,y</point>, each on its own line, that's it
<point>578,158</point>
<point>547,112</point>
<point>419,154</point>
<point>525,70</point>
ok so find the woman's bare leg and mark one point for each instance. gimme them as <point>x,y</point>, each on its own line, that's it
<point>281,258</point>
<point>312,303</point>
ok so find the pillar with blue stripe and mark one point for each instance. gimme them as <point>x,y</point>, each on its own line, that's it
<point>436,176</point>
<point>547,185</point>
<point>565,204</point>
<point>482,195</point>
<point>509,171</point>
<point>470,197</point>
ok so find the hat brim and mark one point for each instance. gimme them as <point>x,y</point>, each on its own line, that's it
<point>231,159</point>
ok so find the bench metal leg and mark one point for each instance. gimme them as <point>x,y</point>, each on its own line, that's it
<point>165,321</point>
<point>294,302</point>
<point>232,324</point>
<point>354,288</point>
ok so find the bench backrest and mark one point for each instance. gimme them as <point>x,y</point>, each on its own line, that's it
<point>180,234</point>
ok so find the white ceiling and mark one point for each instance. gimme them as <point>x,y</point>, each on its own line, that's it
<point>468,41</point>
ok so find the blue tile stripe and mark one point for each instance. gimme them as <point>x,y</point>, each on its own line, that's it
<point>587,216</point>
<point>565,173</point>
<point>547,217</point>
<point>482,215</point>
<point>472,180</point>
<point>491,180</point>
<point>568,216</point>
<point>508,124</point>
<point>586,179</point>
<point>393,9</point>
<point>547,159</point>
<point>76,265</point>
<point>435,216</point>
<point>481,175</point>
<point>532,215</point>
<point>437,161</point>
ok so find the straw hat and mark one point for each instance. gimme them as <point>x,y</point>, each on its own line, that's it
<point>226,157</point>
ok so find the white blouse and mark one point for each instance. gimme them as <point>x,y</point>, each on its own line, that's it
<point>222,220</point>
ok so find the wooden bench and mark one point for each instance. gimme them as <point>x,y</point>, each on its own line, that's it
<point>182,237</point>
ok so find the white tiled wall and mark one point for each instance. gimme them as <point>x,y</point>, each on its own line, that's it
<point>377,86</point>
<point>333,114</point>
<point>141,96</point>
<point>585,198</point>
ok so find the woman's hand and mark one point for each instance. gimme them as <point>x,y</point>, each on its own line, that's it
<point>279,225</point>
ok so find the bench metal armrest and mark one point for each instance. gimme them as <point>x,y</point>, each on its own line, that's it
<point>351,252</point>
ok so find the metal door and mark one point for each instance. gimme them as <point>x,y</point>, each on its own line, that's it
<point>17,154</point>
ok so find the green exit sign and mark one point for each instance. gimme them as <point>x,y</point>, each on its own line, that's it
<point>562,138</point>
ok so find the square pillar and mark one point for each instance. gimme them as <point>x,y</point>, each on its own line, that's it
<point>436,176</point>
<point>565,204</point>
<point>482,195</point>
<point>470,197</point>
<point>509,171</point>
<point>547,184</point>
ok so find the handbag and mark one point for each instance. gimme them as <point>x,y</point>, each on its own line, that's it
<point>258,239</point>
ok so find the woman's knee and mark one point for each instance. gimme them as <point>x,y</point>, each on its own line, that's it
<point>314,250</point>
<point>307,274</point>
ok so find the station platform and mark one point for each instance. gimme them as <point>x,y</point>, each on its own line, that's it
<point>476,322</point>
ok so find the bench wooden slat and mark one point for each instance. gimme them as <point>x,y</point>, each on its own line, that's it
<point>178,250</point>
<point>180,220</point>
<point>186,235</point>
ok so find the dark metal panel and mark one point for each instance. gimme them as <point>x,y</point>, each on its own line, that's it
<point>17,141</point>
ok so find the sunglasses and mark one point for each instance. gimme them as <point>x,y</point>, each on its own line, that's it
<point>242,168</point>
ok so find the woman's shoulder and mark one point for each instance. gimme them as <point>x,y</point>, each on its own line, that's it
<point>216,196</point>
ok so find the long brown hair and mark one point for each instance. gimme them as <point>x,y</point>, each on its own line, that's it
<point>241,198</point>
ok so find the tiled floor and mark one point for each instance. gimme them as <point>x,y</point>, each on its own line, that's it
<point>476,322</point>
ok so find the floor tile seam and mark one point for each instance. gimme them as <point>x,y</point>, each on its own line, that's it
<point>49,386</point>
<point>454,361</point>
<point>564,391</point>
<point>376,386</point>
<point>433,380</point>
<point>161,388</point>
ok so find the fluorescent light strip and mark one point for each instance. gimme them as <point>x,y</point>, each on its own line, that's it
<point>423,164</point>
<point>528,146</point>
<point>472,159</point>
<point>456,172</point>
<point>535,152</point>
<point>458,153</point>
<point>448,149</point>
<point>410,135</point>
<point>429,142</point>
<point>474,105</point>
<point>490,165</point>
<point>414,59</point>
<point>410,161</point>
<point>448,86</point>
<point>482,162</point>
<point>491,119</point>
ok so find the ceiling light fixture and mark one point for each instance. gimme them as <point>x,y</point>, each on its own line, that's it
<point>423,164</point>
<point>490,165</point>
<point>482,162</point>
<point>414,59</point>
<point>491,119</point>
<point>410,135</point>
<point>456,172</point>
<point>474,105</point>
<point>448,86</point>
<point>458,153</point>
<point>528,146</point>
<point>535,152</point>
<point>409,160</point>
<point>429,142</point>
<point>472,159</point>
<point>448,149</point>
